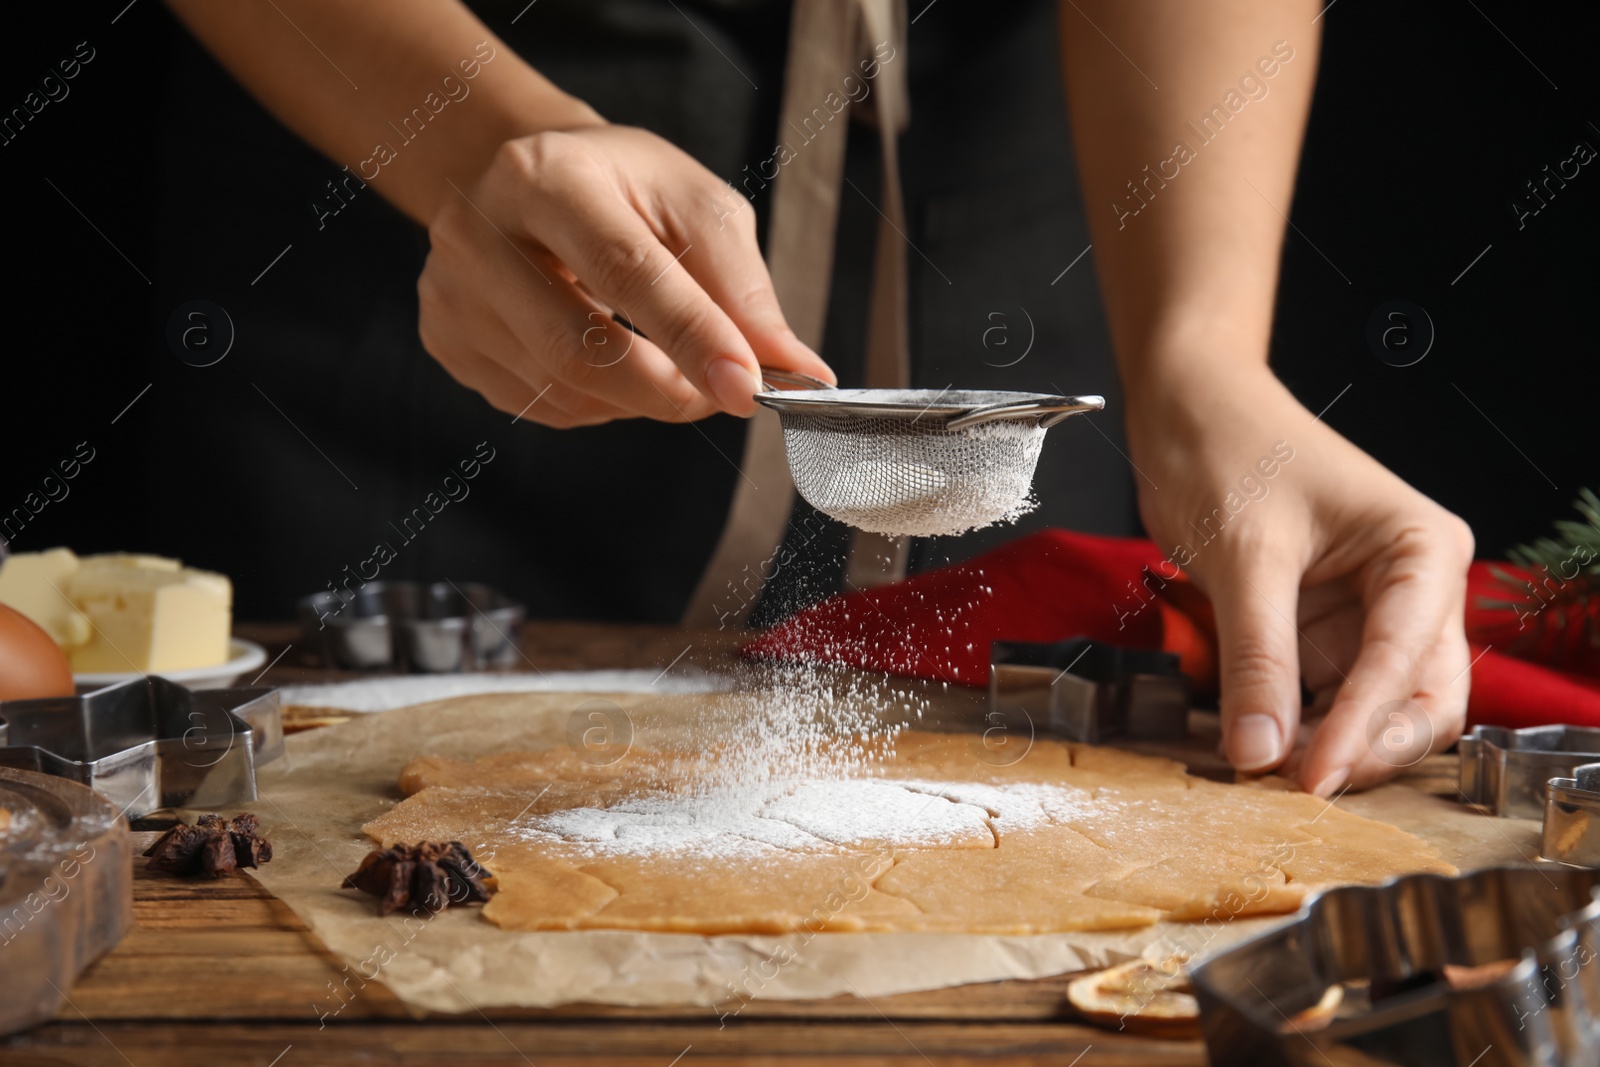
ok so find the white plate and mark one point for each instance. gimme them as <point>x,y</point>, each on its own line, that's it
<point>245,656</point>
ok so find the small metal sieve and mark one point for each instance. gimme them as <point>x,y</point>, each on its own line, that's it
<point>914,462</point>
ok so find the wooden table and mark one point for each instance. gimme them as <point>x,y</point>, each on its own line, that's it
<point>223,973</point>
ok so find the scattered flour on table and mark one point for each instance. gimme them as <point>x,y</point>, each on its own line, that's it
<point>387,694</point>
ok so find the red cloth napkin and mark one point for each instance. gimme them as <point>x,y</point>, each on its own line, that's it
<point>1535,666</point>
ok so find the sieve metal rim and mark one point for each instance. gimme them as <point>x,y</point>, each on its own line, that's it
<point>1045,409</point>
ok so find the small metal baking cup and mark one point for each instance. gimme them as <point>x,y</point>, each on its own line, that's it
<point>437,628</point>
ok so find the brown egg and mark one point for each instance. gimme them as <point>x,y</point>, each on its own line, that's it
<point>31,664</point>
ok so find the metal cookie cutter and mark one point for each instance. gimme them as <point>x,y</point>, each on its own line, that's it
<point>67,892</point>
<point>1572,818</point>
<point>437,628</point>
<point>1495,969</point>
<point>148,743</point>
<point>1508,770</point>
<point>1091,691</point>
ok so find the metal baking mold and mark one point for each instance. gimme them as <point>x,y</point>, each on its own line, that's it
<point>1508,770</point>
<point>1091,691</point>
<point>148,743</point>
<point>437,628</point>
<point>66,895</point>
<point>1572,818</point>
<point>1536,1001</point>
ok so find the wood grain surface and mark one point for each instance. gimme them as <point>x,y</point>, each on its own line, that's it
<point>222,973</point>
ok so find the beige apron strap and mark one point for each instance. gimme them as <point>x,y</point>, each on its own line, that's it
<point>827,40</point>
<point>876,559</point>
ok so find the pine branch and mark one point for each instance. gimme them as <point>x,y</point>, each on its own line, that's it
<point>1558,605</point>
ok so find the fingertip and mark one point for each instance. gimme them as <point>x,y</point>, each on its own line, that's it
<point>1328,784</point>
<point>1336,760</point>
<point>821,370</point>
<point>732,385</point>
<point>810,362</point>
<point>782,350</point>
<point>1255,742</point>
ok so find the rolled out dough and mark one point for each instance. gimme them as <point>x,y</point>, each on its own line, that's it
<point>1071,837</point>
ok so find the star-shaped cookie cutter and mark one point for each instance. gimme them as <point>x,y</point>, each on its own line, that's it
<point>148,743</point>
<point>1090,691</point>
<point>1509,770</point>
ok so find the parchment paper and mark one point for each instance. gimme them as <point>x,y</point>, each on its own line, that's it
<point>330,781</point>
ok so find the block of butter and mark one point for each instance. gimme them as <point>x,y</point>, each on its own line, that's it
<point>34,583</point>
<point>124,612</point>
<point>149,614</point>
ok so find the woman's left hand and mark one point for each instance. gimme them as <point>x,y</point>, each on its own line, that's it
<point>1321,564</point>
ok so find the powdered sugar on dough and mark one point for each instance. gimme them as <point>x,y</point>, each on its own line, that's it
<point>669,824</point>
<point>866,811</point>
<point>1015,806</point>
<point>813,815</point>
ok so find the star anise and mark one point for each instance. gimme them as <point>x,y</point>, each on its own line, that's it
<point>432,874</point>
<point>212,847</point>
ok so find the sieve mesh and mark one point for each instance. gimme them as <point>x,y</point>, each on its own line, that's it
<point>905,477</point>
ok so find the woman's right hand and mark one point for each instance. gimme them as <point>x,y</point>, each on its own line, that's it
<point>565,228</point>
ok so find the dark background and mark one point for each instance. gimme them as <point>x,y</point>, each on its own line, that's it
<point>1426,125</point>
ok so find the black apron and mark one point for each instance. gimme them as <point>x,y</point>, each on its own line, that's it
<point>318,452</point>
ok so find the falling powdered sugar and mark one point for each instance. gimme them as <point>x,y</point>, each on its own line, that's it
<point>799,756</point>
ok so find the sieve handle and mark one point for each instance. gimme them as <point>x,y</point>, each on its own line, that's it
<point>1050,411</point>
<point>772,377</point>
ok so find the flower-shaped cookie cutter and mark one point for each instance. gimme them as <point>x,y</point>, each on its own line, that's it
<point>148,743</point>
<point>1495,968</point>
